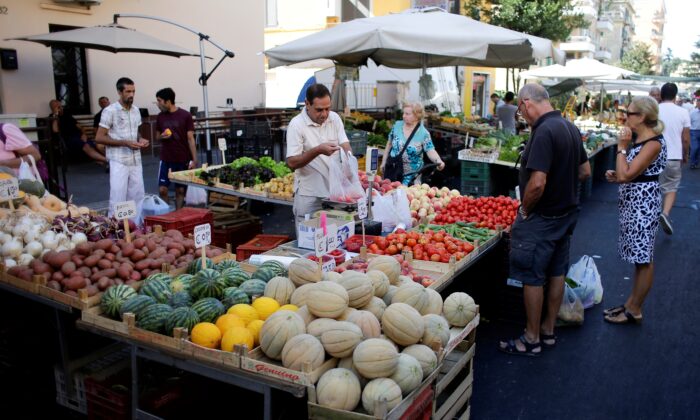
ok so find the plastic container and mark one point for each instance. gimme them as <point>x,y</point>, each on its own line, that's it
<point>354,243</point>
<point>258,245</point>
<point>235,235</point>
<point>183,220</point>
<point>154,206</point>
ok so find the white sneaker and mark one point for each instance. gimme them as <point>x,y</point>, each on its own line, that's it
<point>666,224</point>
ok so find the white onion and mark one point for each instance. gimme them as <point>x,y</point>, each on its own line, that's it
<point>20,230</point>
<point>61,248</point>
<point>61,237</point>
<point>34,248</point>
<point>48,240</point>
<point>79,238</point>
<point>12,248</point>
<point>9,262</point>
<point>25,259</point>
<point>4,237</point>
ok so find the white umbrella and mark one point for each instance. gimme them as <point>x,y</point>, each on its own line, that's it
<point>583,68</point>
<point>416,39</point>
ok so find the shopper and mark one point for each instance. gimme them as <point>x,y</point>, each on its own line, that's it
<point>497,103</point>
<point>695,135</point>
<point>637,170</point>
<point>104,103</point>
<point>553,163</point>
<point>655,92</point>
<point>506,114</point>
<point>677,136</point>
<point>410,155</point>
<point>313,137</point>
<point>64,126</point>
<point>15,147</point>
<point>175,130</point>
<point>119,132</point>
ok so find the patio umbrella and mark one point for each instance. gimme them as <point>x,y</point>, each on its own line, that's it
<point>416,39</point>
<point>113,38</point>
<point>582,68</point>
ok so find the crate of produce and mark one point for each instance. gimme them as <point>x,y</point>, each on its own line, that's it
<point>476,170</point>
<point>259,245</point>
<point>183,220</point>
<point>358,141</point>
<point>109,397</point>
<point>478,188</point>
<point>255,361</point>
<point>354,243</point>
<point>453,388</point>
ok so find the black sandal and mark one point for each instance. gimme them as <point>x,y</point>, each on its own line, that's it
<point>548,337</point>
<point>529,351</point>
<point>614,311</point>
<point>629,318</point>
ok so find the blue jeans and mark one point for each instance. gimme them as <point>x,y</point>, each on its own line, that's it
<point>695,147</point>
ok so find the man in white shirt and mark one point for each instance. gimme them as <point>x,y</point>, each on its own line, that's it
<point>677,136</point>
<point>313,137</point>
<point>695,135</point>
<point>119,132</point>
<point>687,105</point>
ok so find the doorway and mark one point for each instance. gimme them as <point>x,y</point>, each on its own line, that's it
<point>70,75</point>
<point>480,94</point>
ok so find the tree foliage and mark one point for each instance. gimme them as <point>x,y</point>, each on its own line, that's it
<point>552,19</point>
<point>638,59</point>
<point>693,66</point>
<point>669,63</point>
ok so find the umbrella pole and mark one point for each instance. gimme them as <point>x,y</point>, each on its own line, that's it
<point>205,97</point>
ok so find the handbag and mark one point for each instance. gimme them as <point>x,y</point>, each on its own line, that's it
<point>393,169</point>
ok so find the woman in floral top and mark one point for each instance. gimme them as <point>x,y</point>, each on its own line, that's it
<point>420,143</point>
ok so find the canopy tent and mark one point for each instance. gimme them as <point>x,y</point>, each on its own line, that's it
<point>582,68</point>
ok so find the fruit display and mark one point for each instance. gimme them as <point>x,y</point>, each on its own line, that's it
<point>428,246</point>
<point>379,184</point>
<point>283,186</point>
<point>488,212</point>
<point>425,201</point>
<point>462,231</point>
<point>247,171</point>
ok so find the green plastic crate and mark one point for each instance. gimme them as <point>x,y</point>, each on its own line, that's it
<point>358,141</point>
<point>476,170</point>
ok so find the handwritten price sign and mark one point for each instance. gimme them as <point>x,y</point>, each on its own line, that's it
<point>362,208</point>
<point>323,244</point>
<point>125,210</point>
<point>202,235</point>
<point>9,189</point>
<point>222,144</point>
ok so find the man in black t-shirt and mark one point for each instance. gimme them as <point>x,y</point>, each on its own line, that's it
<point>553,163</point>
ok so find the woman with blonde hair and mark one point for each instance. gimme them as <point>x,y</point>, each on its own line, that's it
<point>408,140</point>
<point>637,167</point>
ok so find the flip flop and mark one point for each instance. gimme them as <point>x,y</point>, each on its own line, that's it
<point>629,318</point>
<point>614,311</point>
<point>529,351</point>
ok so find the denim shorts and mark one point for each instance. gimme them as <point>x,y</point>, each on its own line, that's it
<point>539,247</point>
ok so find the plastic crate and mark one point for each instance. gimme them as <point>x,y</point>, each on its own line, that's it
<point>354,243</point>
<point>109,398</point>
<point>475,188</point>
<point>75,401</point>
<point>358,141</point>
<point>183,220</point>
<point>476,170</point>
<point>258,245</point>
<point>235,235</point>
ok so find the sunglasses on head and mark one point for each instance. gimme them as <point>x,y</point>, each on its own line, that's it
<point>632,113</point>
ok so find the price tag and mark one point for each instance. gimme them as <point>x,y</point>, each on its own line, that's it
<point>9,189</point>
<point>202,235</point>
<point>125,210</point>
<point>319,242</point>
<point>222,144</point>
<point>362,208</point>
<point>332,238</point>
<point>328,266</point>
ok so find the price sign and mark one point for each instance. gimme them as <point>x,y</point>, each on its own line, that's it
<point>9,189</point>
<point>319,242</point>
<point>362,208</point>
<point>202,235</point>
<point>332,238</point>
<point>222,144</point>
<point>328,266</point>
<point>125,210</point>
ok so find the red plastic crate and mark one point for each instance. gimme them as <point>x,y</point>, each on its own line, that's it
<point>236,235</point>
<point>109,398</point>
<point>258,245</point>
<point>183,220</point>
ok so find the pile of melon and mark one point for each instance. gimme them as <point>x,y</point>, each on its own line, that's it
<point>383,329</point>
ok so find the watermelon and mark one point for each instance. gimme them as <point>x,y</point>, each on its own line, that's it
<point>114,297</point>
<point>208,309</point>
<point>181,318</point>
<point>136,304</point>
<point>160,276</point>
<point>253,287</point>
<point>156,288</point>
<point>225,264</point>
<point>235,276</point>
<point>264,273</point>
<point>233,296</point>
<point>208,283</point>
<point>181,282</point>
<point>196,265</point>
<point>277,266</point>
<point>180,299</point>
<point>153,317</point>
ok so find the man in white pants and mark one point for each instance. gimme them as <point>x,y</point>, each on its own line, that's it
<point>119,132</point>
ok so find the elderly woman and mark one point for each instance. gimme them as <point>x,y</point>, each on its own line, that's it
<point>15,147</point>
<point>411,131</point>
<point>637,168</point>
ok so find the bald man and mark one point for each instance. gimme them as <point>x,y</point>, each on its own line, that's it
<point>655,92</point>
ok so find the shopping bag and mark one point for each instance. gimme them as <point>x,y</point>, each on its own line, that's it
<point>196,196</point>
<point>343,181</point>
<point>584,279</point>
<point>25,171</point>
<point>571,309</point>
<point>154,206</point>
<point>391,210</point>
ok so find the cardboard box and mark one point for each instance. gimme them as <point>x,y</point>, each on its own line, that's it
<point>305,234</point>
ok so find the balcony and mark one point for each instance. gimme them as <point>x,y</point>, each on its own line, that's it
<point>588,12</point>
<point>659,18</point>
<point>604,25</point>
<point>578,44</point>
<point>656,35</point>
<point>603,54</point>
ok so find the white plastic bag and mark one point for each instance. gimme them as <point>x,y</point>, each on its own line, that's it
<point>584,279</point>
<point>343,179</point>
<point>391,209</point>
<point>154,206</point>
<point>25,171</point>
<point>571,309</point>
<point>196,196</point>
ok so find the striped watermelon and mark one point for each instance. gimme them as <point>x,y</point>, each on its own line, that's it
<point>156,288</point>
<point>208,309</point>
<point>181,282</point>
<point>208,283</point>
<point>181,318</point>
<point>153,317</point>
<point>136,304</point>
<point>264,273</point>
<point>233,296</point>
<point>161,276</point>
<point>180,299</point>
<point>277,266</point>
<point>226,264</point>
<point>114,297</point>
<point>253,287</point>
<point>196,265</point>
<point>235,276</point>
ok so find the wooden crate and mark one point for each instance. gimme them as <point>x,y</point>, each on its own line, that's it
<point>454,384</point>
<point>38,286</point>
<point>250,269</point>
<point>255,361</point>
<point>458,335</point>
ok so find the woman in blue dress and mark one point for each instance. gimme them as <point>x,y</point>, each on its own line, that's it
<point>420,143</point>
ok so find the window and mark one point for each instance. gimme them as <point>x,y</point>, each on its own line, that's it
<point>355,9</point>
<point>271,13</point>
<point>70,75</point>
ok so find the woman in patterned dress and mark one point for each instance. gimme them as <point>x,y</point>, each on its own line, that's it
<point>420,143</point>
<point>637,168</point>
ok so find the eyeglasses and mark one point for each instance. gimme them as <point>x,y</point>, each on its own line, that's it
<point>632,113</point>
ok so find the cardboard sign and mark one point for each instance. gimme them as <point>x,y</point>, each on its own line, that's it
<point>362,209</point>
<point>222,144</point>
<point>332,240</point>
<point>125,210</point>
<point>202,235</point>
<point>9,189</point>
<point>328,266</point>
<point>319,242</point>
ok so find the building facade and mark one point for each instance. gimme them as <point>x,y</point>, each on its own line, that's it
<point>649,27</point>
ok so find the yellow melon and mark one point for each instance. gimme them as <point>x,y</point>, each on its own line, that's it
<point>206,334</point>
<point>245,312</point>
<point>265,306</point>
<point>289,307</point>
<point>254,328</point>
<point>227,321</point>
<point>237,336</point>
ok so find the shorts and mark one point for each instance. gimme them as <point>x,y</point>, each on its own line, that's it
<point>670,178</point>
<point>163,169</point>
<point>539,247</point>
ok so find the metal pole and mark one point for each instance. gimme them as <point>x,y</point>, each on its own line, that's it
<point>205,95</point>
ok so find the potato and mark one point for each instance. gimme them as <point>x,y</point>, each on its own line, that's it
<point>76,273</point>
<point>104,264</point>
<point>124,271</point>
<point>156,264</point>
<point>151,245</point>
<point>72,293</point>
<point>174,252</point>
<point>110,272</point>
<point>143,264</point>
<point>168,258</point>
<point>145,273</point>
<point>26,274</point>
<point>85,249</point>
<point>68,267</point>
<point>99,252</point>
<point>57,276</point>
<point>104,244</point>
<point>157,253</point>
<point>109,256</point>
<point>53,284</point>
<point>40,267</point>
<point>137,255</point>
<point>57,259</point>
<point>86,271</point>
<point>103,283</point>
<point>75,283</point>
<point>77,259</point>
<point>135,276</point>
<point>175,234</point>
<point>127,249</point>
<point>139,243</point>
<point>216,252</point>
<point>131,283</point>
<point>92,290</point>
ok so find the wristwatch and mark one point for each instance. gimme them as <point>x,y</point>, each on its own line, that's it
<point>623,152</point>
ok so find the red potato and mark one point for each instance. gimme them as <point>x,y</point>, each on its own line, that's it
<point>110,272</point>
<point>40,267</point>
<point>75,283</point>
<point>26,274</point>
<point>86,271</point>
<point>118,281</point>
<point>137,255</point>
<point>92,290</point>
<point>130,283</point>
<point>155,264</point>
<point>114,249</point>
<point>175,234</point>
<point>174,252</point>
<point>143,264</point>
<point>53,284</point>
<point>100,252</point>
<point>76,273</point>
<point>216,252</point>
<point>168,258</point>
<point>57,276</point>
<point>145,273</point>
<point>154,272</point>
<point>85,249</point>
<point>109,256</point>
<point>135,276</point>
<point>104,264</point>
<point>139,243</point>
<point>72,293</point>
<point>151,245</point>
<point>57,259</point>
<point>104,244</point>
<point>124,272</point>
<point>68,267</point>
<point>127,249</point>
<point>77,259</point>
<point>92,260</point>
<point>103,283</point>
<point>95,269</point>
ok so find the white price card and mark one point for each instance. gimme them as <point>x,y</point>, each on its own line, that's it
<point>328,266</point>
<point>202,235</point>
<point>9,189</point>
<point>319,242</point>
<point>125,210</point>
<point>332,238</point>
<point>222,144</point>
<point>362,208</point>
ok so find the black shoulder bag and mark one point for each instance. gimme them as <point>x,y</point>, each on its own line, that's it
<point>393,169</point>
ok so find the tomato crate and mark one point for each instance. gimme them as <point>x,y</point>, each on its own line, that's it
<point>183,220</point>
<point>354,243</point>
<point>258,245</point>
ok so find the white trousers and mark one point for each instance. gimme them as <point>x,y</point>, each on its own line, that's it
<point>125,183</point>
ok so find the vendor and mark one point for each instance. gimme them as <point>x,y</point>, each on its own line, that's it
<point>312,137</point>
<point>15,147</point>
